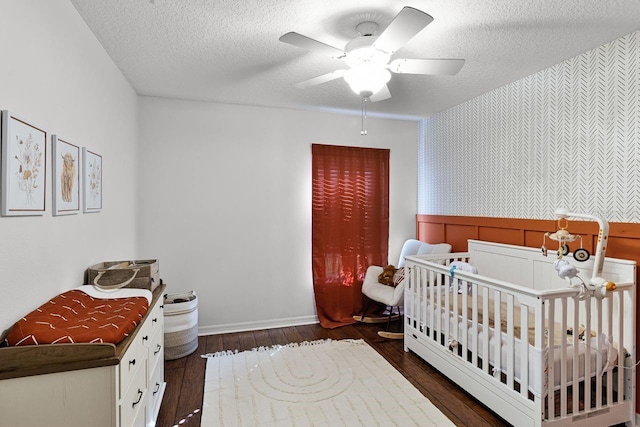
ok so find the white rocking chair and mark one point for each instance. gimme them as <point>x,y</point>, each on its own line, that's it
<point>393,297</point>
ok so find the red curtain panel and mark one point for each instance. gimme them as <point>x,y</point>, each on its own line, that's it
<point>350,226</point>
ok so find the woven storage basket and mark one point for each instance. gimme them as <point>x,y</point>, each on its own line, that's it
<point>144,274</point>
<point>180,325</point>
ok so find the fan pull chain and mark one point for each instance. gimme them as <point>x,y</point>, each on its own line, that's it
<point>363,132</point>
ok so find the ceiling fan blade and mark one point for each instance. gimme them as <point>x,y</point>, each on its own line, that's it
<point>381,95</point>
<point>320,79</point>
<point>426,66</point>
<point>312,45</point>
<point>407,23</point>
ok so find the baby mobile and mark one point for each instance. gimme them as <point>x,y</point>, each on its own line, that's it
<point>597,284</point>
<point>563,237</point>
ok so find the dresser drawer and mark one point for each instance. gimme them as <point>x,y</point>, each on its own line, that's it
<point>152,323</point>
<point>134,360</point>
<point>156,385</point>
<point>134,400</point>
<point>155,393</point>
<point>156,351</point>
<point>143,337</point>
<point>155,318</point>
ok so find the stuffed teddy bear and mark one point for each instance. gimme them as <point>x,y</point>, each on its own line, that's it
<point>386,277</point>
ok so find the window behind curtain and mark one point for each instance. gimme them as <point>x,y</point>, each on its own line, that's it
<point>350,226</point>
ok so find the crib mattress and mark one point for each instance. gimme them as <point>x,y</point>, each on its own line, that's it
<point>600,348</point>
<point>517,319</point>
<point>76,316</point>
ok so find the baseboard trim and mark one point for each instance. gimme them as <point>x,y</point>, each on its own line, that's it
<point>254,326</point>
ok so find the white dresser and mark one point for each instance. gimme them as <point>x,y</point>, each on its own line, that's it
<point>87,384</point>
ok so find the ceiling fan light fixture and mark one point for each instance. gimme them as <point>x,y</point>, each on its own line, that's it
<point>367,79</point>
<point>361,51</point>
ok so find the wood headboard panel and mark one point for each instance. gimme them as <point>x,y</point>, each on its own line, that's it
<point>624,238</point>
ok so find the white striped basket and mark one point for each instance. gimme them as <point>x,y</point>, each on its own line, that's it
<point>180,325</point>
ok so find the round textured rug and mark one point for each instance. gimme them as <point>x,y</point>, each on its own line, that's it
<point>320,383</point>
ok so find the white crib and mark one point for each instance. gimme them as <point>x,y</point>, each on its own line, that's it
<point>450,318</point>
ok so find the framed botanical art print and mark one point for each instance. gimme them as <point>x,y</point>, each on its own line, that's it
<point>24,164</point>
<point>66,176</point>
<point>92,180</point>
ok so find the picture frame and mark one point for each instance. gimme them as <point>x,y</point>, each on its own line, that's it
<point>24,166</point>
<point>92,180</point>
<point>65,176</point>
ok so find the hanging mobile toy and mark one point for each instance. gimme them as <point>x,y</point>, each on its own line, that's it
<point>596,286</point>
<point>581,254</point>
<point>563,237</point>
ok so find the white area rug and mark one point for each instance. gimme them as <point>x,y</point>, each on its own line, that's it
<point>322,383</point>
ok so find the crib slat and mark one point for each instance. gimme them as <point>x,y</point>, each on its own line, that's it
<point>416,285</point>
<point>563,360</point>
<point>539,343</point>
<point>429,293</point>
<point>576,361</point>
<point>408,299</point>
<point>587,355</point>
<point>497,321</point>
<point>441,295</point>
<point>454,321</point>
<point>430,310</point>
<point>551,357</point>
<point>409,290</point>
<point>410,293</point>
<point>524,351</point>
<point>464,335</point>
<point>447,317</point>
<point>539,326</point>
<point>599,361</point>
<point>474,326</point>
<point>485,330</point>
<point>621,350</point>
<point>511,352</point>
<point>609,386</point>
<point>426,286</point>
<point>421,322</point>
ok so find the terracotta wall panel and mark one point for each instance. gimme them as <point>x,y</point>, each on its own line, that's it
<point>624,247</point>
<point>457,235</point>
<point>433,233</point>
<point>533,238</point>
<point>509,236</point>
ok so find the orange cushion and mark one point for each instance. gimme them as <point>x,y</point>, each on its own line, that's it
<point>75,317</point>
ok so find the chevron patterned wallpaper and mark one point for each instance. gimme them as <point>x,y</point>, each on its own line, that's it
<point>567,136</point>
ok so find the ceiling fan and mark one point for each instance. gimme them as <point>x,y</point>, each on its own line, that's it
<point>368,55</point>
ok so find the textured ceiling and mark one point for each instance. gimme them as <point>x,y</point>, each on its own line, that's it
<point>228,51</point>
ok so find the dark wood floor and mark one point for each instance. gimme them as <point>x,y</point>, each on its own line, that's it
<point>182,401</point>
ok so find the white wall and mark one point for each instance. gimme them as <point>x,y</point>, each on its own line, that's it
<point>220,194</point>
<point>567,136</point>
<point>55,74</point>
<point>225,195</point>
